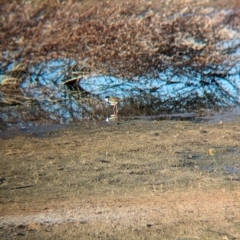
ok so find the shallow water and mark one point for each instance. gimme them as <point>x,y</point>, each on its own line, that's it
<point>210,116</point>
<point>40,129</point>
<point>37,130</point>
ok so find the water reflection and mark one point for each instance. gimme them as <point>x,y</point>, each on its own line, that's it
<point>112,118</point>
<point>62,92</point>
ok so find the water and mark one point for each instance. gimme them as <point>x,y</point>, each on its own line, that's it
<point>43,94</point>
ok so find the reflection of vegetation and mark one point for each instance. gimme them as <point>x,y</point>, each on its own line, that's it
<point>172,43</point>
<point>35,94</point>
<point>10,91</point>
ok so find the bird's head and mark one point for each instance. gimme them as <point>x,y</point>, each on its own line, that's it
<point>107,98</point>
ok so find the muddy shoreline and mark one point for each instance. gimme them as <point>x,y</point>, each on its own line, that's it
<point>129,179</point>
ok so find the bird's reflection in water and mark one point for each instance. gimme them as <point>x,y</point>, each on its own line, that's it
<point>112,118</point>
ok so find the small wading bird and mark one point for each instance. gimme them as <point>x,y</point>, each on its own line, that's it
<point>113,102</point>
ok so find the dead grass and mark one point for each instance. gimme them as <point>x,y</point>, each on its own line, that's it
<point>132,180</point>
<point>121,39</point>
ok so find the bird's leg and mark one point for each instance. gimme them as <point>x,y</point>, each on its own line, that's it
<point>115,109</point>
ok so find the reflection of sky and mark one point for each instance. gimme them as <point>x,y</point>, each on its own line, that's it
<point>105,85</point>
<point>49,74</point>
<point>112,86</point>
<point>45,84</point>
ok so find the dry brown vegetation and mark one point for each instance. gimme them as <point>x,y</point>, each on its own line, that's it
<point>126,39</point>
<point>187,42</point>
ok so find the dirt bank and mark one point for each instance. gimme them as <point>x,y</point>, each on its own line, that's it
<point>130,179</point>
